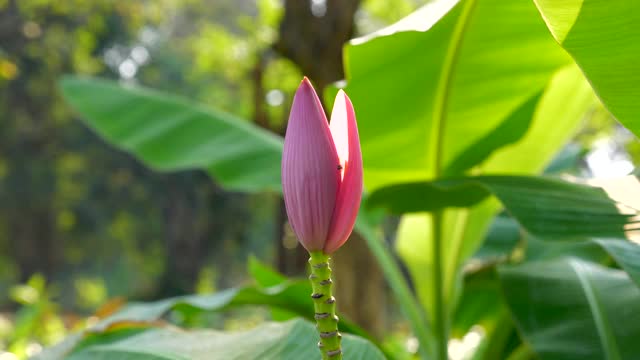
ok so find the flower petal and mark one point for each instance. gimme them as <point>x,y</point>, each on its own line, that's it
<point>344,131</point>
<point>310,178</point>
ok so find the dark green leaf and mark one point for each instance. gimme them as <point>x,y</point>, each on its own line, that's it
<point>541,249</point>
<point>625,253</point>
<point>427,196</point>
<point>482,312</point>
<point>571,309</point>
<point>545,207</point>
<point>502,237</point>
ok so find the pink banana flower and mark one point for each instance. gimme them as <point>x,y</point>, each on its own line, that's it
<point>321,170</point>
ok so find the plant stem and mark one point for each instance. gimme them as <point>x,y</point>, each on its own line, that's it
<point>420,323</point>
<point>440,316</point>
<point>441,102</point>
<point>325,306</point>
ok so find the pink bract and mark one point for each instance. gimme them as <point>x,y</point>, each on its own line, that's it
<point>321,170</point>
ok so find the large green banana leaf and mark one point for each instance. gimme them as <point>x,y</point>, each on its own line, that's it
<point>169,133</point>
<point>456,87</point>
<point>603,37</point>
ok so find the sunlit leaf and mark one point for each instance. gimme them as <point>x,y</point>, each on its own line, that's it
<point>460,86</point>
<point>292,296</point>
<point>295,339</point>
<point>170,134</point>
<point>604,39</point>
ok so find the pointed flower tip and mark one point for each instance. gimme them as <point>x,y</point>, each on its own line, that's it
<point>347,101</point>
<point>306,86</point>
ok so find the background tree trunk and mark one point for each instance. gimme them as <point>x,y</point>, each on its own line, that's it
<point>184,244</point>
<point>27,140</point>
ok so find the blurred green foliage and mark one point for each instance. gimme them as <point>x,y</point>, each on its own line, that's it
<point>87,198</point>
<point>89,218</point>
<point>81,223</point>
<point>38,321</point>
<point>92,221</point>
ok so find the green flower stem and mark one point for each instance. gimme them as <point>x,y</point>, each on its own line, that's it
<point>440,322</point>
<point>325,306</point>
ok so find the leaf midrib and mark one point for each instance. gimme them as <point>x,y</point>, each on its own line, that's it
<point>440,116</point>
<point>445,80</point>
<point>607,339</point>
